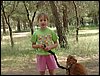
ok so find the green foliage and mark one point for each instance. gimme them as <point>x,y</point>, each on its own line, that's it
<point>85,8</point>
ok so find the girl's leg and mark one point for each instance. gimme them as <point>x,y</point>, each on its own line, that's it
<point>42,72</point>
<point>41,64</point>
<point>51,64</point>
<point>51,72</point>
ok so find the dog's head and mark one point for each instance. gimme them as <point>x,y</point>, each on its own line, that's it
<point>71,60</point>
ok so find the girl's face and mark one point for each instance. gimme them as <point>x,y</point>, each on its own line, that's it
<point>43,22</point>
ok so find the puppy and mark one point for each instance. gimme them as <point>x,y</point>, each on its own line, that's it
<point>74,68</point>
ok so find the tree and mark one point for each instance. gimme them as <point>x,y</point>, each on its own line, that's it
<point>7,18</point>
<point>65,17</point>
<point>3,24</point>
<point>58,24</point>
<point>31,21</point>
<point>65,24</point>
<point>18,17</point>
<point>77,20</point>
<point>18,25</point>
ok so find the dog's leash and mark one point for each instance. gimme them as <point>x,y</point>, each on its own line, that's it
<point>57,61</point>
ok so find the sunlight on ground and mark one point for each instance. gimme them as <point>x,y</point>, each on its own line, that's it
<point>25,64</point>
<point>24,34</point>
<point>79,59</point>
<point>89,31</point>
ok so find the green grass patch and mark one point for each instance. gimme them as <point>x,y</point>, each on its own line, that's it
<point>22,53</point>
<point>89,27</point>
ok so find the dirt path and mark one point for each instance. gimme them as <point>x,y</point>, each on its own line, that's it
<point>91,64</point>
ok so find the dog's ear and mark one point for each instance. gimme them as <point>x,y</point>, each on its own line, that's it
<point>70,57</point>
<point>74,60</point>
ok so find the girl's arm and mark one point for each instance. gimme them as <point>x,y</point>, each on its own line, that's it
<point>34,45</point>
<point>51,46</point>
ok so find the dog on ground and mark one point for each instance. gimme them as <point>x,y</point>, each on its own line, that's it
<point>74,68</point>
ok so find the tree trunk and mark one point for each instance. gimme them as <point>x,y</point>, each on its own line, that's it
<point>77,20</point>
<point>18,25</point>
<point>81,21</point>
<point>3,22</point>
<point>65,18</point>
<point>8,23</point>
<point>24,25</point>
<point>95,20</point>
<point>65,24</point>
<point>30,21</point>
<point>10,30</point>
<point>57,23</point>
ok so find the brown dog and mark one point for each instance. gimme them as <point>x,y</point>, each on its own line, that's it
<point>74,68</point>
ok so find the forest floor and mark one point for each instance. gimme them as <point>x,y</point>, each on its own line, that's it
<point>91,64</point>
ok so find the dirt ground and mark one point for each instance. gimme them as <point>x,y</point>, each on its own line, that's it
<point>91,64</point>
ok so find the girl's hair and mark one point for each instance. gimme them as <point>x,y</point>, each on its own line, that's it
<point>42,14</point>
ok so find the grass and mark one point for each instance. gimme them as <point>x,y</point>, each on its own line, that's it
<point>22,53</point>
<point>90,27</point>
<point>86,46</point>
<point>18,56</point>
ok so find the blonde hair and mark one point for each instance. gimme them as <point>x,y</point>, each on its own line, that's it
<point>42,14</point>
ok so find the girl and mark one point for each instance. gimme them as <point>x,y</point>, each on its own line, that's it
<point>44,36</point>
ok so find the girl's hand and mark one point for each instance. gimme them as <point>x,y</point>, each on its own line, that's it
<point>40,46</point>
<point>47,48</point>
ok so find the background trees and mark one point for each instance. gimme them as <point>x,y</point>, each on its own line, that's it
<point>7,9</point>
<point>64,15</point>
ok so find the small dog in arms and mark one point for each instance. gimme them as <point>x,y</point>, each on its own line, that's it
<point>74,67</point>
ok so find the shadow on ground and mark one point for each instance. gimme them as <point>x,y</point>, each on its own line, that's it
<point>91,65</point>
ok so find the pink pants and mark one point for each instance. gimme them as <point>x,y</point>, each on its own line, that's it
<point>46,61</point>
